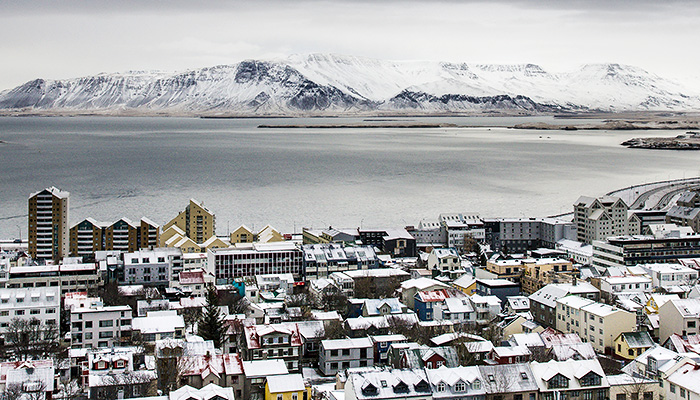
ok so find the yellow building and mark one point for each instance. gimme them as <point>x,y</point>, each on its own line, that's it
<point>629,345</point>
<point>538,273</point>
<point>213,243</point>
<point>465,284</point>
<point>170,232</point>
<point>657,300</point>
<point>287,387</point>
<point>242,235</point>
<point>505,269</point>
<point>269,234</point>
<point>197,222</point>
<point>185,244</point>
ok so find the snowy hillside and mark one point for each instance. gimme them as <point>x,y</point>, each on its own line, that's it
<point>332,84</point>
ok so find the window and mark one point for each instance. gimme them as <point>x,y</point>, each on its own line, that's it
<point>691,324</point>
<point>34,311</point>
<point>295,396</point>
<point>476,385</point>
<point>280,397</point>
<point>518,397</point>
<point>672,388</point>
<point>346,352</point>
<point>106,335</point>
<point>460,387</point>
<point>334,353</point>
<point>106,323</point>
<point>648,395</point>
<point>440,387</point>
<point>88,324</point>
<point>88,335</point>
<point>19,312</point>
<point>621,396</point>
<point>682,392</point>
<point>4,313</point>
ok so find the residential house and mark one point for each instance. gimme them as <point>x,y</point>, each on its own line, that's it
<point>465,284</point>
<point>457,383</point>
<point>543,303</point>
<point>287,387</point>
<point>410,287</point>
<point>444,262</point>
<point>274,341</point>
<point>157,325</point>
<point>256,374</point>
<point>583,379</point>
<point>388,384</point>
<point>427,357</point>
<point>341,354</point>
<point>509,382</point>
<point>501,288</point>
<point>630,345</point>
<point>99,326</point>
<point>594,322</point>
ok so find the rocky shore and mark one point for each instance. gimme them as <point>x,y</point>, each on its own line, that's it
<point>687,141</point>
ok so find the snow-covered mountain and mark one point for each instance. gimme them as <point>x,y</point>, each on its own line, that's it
<point>332,84</point>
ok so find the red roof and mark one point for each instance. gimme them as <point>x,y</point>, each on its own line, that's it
<point>255,332</point>
<point>192,277</point>
<point>217,364</point>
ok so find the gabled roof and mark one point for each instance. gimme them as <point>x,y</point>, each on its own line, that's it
<point>636,340</point>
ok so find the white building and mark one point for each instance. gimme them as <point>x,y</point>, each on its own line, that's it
<point>596,323</point>
<point>99,326</point>
<point>152,267</point>
<point>26,303</point>
<point>668,275</point>
<point>599,218</point>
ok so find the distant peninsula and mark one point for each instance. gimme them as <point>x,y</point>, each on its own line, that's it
<point>687,141</point>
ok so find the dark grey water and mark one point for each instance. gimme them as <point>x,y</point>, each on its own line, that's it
<point>136,167</point>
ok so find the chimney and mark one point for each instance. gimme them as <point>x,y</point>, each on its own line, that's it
<point>573,280</point>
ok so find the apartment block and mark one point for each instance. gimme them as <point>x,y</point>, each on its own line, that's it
<point>253,259</point>
<point>26,303</point>
<point>196,221</point>
<point>521,234</point>
<point>599,218</point>
<point>99,326</point>
<point>152,267</point>
<point>596,323</point>
<point>48,224</point>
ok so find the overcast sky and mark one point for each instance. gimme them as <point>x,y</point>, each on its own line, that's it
<point>65,39</point>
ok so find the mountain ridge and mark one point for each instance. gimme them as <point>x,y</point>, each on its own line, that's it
<point>329,84</point>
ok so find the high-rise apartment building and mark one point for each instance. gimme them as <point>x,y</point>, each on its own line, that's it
<point>196,221</point>
<point>48,224</point>
<point>599,218</point>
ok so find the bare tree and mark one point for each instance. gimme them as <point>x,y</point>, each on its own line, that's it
<point>29,337</point>
<point>639,388</point>
<point>541,354</point>
<point>172,370</point>
<point>364,288</point>
<point>13,391</point>
<point>191,315</point>
<point>333,330</point>
<point>31,390</point>
<point>335,300</point>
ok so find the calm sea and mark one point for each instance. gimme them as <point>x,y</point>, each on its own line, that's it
<point>134,167</point>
